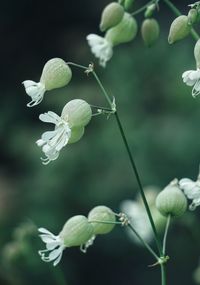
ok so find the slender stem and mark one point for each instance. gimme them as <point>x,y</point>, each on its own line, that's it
<point>102,108</point>
<point>143,8</point>
<point>163,274</point>
<point>77,65</point>
<point>102,89</point>
<point>105,222</point>
<point>139,182</point>
<point>132,164</point>
<point>177,12</point>
<point>165,234</point>
<point>143,242</point>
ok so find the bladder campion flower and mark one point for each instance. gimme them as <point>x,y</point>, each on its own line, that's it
<point>77,231</point>
<point>192,78</point>
<point>101,48</point>
<point>56,73</point>
<point>69,128</point>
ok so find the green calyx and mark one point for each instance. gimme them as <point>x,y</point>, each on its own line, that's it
<point>56,73</point>
<point>150,31</point>
<point>76,231</point>
<point>171,201</point>
<point>77,113</point>
<point>180,28</point>
<point>197,53</point>
<point>111,16</point>
<point>102,214</point>
<point>124,32</point>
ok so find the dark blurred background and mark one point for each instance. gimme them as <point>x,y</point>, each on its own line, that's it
<point>161,120</point>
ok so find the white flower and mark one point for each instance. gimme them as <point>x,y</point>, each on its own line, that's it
<point>53,141</point>
<point>139,220</point>
<point>35,91</point>
<point>192,78</point>
<point>192,191</point>
<point>101,48</point>
<point>54,247</point>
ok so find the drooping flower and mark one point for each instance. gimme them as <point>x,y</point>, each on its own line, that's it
<point>192,191</point>
<point>69,128</point>
<point>77,231</point>
<point>192,78</point>
<point>54,246</point>
<point>101,48</point>
<point>53,141</point>
<point>56,73</point>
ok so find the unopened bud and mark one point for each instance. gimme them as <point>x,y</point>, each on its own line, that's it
<point>192,16</point>
<point>56,73</point>
<point>179,29</point>
<point>128,4</point>
<point>150,10</point>
<point>197,53</point>
<point>76,134</point>
<point>124,32</point>
<point>150,31</point>
<point>171,201</point>
<point>76,231</point>
<point>102,214</point>
<point>77,113</point>
<point>111,16</point>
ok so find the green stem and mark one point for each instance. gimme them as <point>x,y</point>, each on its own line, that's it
<point>102,89</point>
<point>139,182</point>
<point>163,274</point>
<point>177,12</point>
<point>132,164</point>
<point>77,65</point>
<point>165,234</point>
<point>143,8</point>
<point>143,242</point>
<point>105,222</point>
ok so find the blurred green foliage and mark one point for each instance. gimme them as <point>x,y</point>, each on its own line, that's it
<point>161,121</point>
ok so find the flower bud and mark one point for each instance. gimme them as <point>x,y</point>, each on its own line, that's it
<point>179,29</point>
<point>197,53</point>
<point>192,16</point>
<point>128,4</point>
<point>124,32</point>
<point>150,31</point>
<point>56,73</point>
<point>171,201</point>
<point>76,134</point>
<point>104,214</point>
<point>76,231</point>
<point>111,16</point>
<point>150,10</point>
<point>77,113</point>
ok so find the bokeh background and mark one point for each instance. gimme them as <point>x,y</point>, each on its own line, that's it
<point>161,121</point>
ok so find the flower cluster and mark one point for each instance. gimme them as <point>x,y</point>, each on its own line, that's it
<point>76,114</point>
<point>121,27</point>
<point>77,231</point>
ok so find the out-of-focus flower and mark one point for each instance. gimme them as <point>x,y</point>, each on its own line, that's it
<point>138,218</point>
<point>56,73</point>
<point>192,78</point>
<point>192,191</point>
<point>101,48</point>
